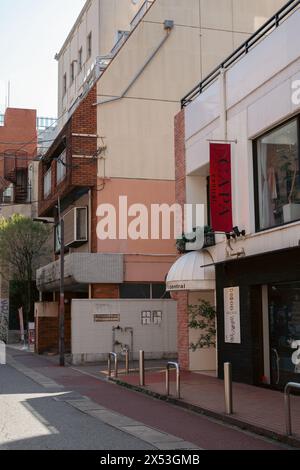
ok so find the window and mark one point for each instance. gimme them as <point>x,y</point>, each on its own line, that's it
<point>89,46</point>
<point>277,177</point>
<point>135,291</point>
<point>72,72</point>
<point>61,167</point>
<point>143,291</point>
<point>47,183</point>
<point>80,60</point>
<point>81,224</point>
<point>64,84</point>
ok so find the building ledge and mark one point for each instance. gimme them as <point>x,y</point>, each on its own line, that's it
<point>82,269</point>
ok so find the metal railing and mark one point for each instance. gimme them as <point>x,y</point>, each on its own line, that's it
<point>115,356</point>
<point>45,122</point>
<point>265,29</point>
<point>142,11</point>
<point>287,403</point>
<point>171,365</point>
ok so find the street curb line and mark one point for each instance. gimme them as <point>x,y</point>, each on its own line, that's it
<point>260,431</point>
<point>158,439</point>
<point>38,378</point>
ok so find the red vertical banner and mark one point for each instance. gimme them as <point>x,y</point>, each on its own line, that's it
<point>220,187</point>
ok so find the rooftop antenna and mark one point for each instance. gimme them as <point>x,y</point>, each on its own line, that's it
<point>8,94</point>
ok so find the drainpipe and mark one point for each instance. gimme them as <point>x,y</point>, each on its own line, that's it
<point>168,26</point>
<point>90,233</point>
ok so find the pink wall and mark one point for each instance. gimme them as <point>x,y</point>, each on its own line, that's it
<point>139,268</point>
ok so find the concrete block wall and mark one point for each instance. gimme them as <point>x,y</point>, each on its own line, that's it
<point>92,341</point>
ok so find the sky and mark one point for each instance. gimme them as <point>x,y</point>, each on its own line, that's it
<point>31,33</point>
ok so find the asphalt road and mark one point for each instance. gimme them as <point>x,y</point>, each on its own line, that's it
<point>31,419</point>
<point>99,415</point>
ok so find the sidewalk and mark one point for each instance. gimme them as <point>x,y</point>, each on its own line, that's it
<point>256,409</point>
<point>91,382</point>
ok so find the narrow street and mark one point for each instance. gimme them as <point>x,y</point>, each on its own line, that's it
<point>72,410</point>
<point>32,419</point>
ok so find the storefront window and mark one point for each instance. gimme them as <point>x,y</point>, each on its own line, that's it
<point>284,310</point>
<point>278,177</point>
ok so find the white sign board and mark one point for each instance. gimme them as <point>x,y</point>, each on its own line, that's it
<point>232,316</point>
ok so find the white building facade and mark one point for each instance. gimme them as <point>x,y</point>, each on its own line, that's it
<point>250,114</point>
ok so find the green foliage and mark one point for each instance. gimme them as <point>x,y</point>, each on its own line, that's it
<point>203,318</point>
<point>22,244</point>
<point>208,241</point>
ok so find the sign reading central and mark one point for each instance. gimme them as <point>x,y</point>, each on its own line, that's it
<point>220,188</point>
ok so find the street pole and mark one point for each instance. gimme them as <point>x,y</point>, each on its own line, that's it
<point>62,290</point>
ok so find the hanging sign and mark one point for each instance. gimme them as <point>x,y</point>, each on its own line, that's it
<point>232,317</point>
<point>220,187</point>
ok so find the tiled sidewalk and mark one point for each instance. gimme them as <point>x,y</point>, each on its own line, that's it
<point>258,408</point>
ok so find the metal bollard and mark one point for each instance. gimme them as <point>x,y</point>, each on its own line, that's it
<point>228,388</point>
<point>177,367</point>
<point>127,361</point>
<point>110,355</point>
<point>287,402</point>
<point>142,369</point>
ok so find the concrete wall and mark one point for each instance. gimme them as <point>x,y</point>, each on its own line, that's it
<point>256,102</point>
<point>138,129</point>
<point>92,341</point>
<point>102,18</point>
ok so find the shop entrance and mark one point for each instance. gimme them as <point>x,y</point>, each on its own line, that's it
<point>284,318</point>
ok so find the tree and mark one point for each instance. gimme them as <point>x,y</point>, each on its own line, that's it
<point>203,318</point>
<point>23,243</point>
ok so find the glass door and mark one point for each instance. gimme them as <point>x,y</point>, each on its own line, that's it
<point>284,312</point>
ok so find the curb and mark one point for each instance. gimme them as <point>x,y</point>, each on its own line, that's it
<point>260,431</point>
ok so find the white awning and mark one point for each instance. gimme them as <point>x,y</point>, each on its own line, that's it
<point>192,272</point>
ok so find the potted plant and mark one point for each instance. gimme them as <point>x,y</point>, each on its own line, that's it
<point>203,318</point>
<point>209,240</point>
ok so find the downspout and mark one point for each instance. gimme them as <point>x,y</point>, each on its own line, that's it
<point>90,232</point>
<point>168,26</point>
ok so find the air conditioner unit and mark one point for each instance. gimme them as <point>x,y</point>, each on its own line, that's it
<point>76,227</point>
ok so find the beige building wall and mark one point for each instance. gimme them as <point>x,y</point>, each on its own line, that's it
<point>102,18</point>
<point>138,128</point>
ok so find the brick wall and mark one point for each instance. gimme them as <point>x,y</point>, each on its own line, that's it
<point>81,144</point>
<point>181,297</point>
<point>19,147</point>
<point>105,291</point>
<point>46,334</point>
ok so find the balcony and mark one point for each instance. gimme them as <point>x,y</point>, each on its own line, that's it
<point>82,269</point>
